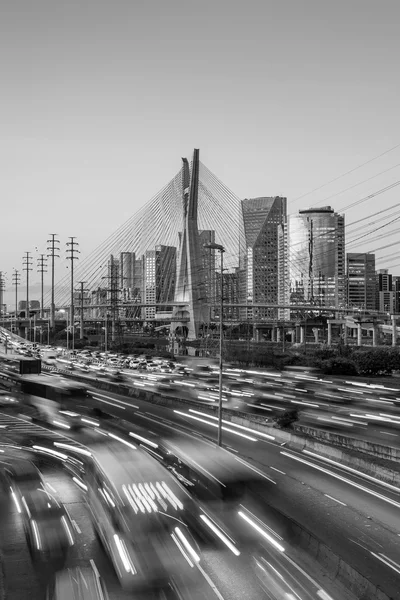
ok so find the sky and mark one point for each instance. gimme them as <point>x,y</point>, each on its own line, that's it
<point>101,99</point>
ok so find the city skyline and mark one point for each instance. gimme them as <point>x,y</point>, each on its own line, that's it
<point>88,139</point>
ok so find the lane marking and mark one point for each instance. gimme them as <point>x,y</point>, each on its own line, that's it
<point>75,524</point>
<point>348,481</point>
<point>115,400</point>
<point>106,402</point>
<point>387,561</point>
<point>387,433</point>
<point>210,582</point>
<point>335,499</point>
<point>358,544</point>
<point>232,449</point>
<point>275,469</point>
<point>231,424</point>
<point>188,416</point>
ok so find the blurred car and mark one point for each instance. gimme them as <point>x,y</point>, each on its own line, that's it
<point>22,476</point>
<point>46,523</point>
<point>78,584</point>
<point>7,399</point>
<point>47,526</point>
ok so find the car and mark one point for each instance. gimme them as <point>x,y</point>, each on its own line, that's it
<point>48,528</point>
<point>7,399</point>
<point>78,584</point>
<point>22,476</point>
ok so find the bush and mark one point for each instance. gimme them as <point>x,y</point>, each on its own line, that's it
<point>338,366</point>
<point>380,361</point>
<point>286,419</point>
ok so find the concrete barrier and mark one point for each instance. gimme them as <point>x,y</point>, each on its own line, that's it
<point>335,567</point>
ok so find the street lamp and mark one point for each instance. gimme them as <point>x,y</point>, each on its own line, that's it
<point>221,250</point>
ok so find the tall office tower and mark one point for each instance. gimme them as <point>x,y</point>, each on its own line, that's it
<point>396,291</point>
<point>316,248</point>
<point>361,280</point>
<point>113,285</point>
<point>208,264</point>
<point>259,282</point>
<point>384,291</point>
<point>231,293</point>
<point>283,273</point>
<point>159,279</point>
<point>127,269</point>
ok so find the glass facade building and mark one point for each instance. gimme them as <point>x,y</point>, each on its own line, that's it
<point>159,279</point>
<point>361,280</point>
<point>259,282</point>
<point>316,257</point>
<point>385,297</point>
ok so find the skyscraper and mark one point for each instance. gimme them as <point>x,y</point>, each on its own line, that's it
<point>259,282</point>
<point>127,269</point>
<point>384,291</point>
<point>361,280</point>
<point>316,249</point>
<point>159,279</point>
<point>208,265</point>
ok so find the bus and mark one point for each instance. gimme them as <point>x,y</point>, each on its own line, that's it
<point>55,400</point>
<point>138,511</point>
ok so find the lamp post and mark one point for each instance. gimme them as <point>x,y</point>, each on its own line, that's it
<point>221,250</point>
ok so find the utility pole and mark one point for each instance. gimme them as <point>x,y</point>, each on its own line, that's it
<point>2,290</point>
<point>53,248</point>
<point>42,263</point>
<point>16,280</point>
<point>114,291</point>
<point>71,252</point>
<point>81,290</point>
<point>311,260</point>
<point>27,266</point>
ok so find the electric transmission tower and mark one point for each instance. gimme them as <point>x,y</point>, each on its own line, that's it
<point>27,266</point>
<point>42,263</point>
<point>16,280</point>
<point>52,248</point>
<point>81,290</point>
<point>72,250</point>
<point>2,290</point>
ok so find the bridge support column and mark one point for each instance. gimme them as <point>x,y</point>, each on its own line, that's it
<point>345,334</point>
<point>316,334</point>
<point>301,335</point>
<point>329,342</point>
<point>273,334</point>
<point>278,335</point>
<point>374,335</point>
<point>359,334</point>
<point>394,331</point>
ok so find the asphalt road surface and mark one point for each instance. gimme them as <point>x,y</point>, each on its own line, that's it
<point>357,517</point>
<point>222,575</point>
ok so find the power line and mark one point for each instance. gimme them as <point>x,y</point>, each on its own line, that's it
<point>346,173</point>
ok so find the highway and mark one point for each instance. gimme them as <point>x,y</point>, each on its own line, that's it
<point>356,517</point>
<point>222,575</point>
